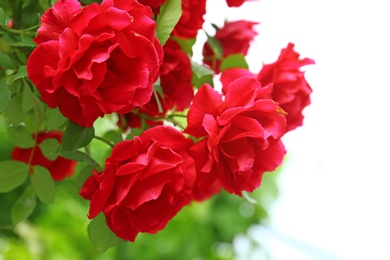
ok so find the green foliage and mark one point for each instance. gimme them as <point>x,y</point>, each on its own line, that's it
<point>201,75</point>
<point>12,174</point>
<point>76,136</point>
<point>43,184</point>
<point>234,61</point>
<point>20,136</point>
<point>5,95</point>
<point>100,235</point>
<point>23,206</point>
<point>168,17</point>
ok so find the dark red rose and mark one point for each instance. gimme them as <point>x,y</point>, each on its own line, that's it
<point>89,64</point>
<point>146,182</point>
<point>234,38</point>
<point>236,3</point>
<point>191,19</point>
<point>152,3</point>
<point>290,88</point>
<point>175,82</point>
<point>60,168</point>
<point>241,137</point>
<point>176,86</point>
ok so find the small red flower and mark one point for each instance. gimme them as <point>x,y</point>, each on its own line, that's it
<point>241,137</point>
<point>60,168</point>
<point>290,88</point>
<point>146,182</point>
<point>89,64</point>
<point>234,38</point>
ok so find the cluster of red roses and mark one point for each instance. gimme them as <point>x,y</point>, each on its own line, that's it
<point>102,59</point>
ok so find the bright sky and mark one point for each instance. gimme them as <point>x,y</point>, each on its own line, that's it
<point>335,183</point>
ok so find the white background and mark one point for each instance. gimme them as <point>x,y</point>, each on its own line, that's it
<point>335,186</point>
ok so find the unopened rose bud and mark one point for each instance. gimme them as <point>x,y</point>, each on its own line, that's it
<point>10,23</point>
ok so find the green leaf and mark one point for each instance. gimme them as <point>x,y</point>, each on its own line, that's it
<point>23,206</point>
<point>84,174</point>
<point>215,46</point>
<point>20,136</point>
<point>234,61</point>
<point>113,136</point>
<point>21,73</point>
<point>79,157</point>
<point>76,136</point>
<point>5,95</point>
<point>26,41</point>
<point>169,15</point>
<point>200,70</point>
<point>12,174</point>
<point>100,234</point>
<point>201,75</point>
<point>186,44</point>
<point>6,62</point>
<point>43,184</point>
<point>2,16</point>
<point>54,118</point>
<point>30,14</point>
<point>12,112</point>
<point>48,148</point>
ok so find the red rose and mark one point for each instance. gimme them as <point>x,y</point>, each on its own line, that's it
<point>191,19</point>
<point>60,168</point>
<point>241,133</point>
<point>176,85</point>
<point>89,64</point>
<point>175,81</point>
<point>290,88</point>
<point>235,3</point>
<point>145,183</point>
<point>152,3</point>
<point>234,38</point>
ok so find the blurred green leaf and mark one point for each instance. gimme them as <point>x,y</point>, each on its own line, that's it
<point>12,112</point>
<point>201,75</point>
<point>20,136</point>
<point>2,16</point>
<point>76,136</point>
<point>84,174</point>
<point>5,95</point>
<point>215,46</point>
<point>48,148</point>
<point>185,44</point>
<point>100,234</point>
<point>6,62</point>
<point>200,70</point>
<point>30,15</point>
<point>234,61</point>
<point>21,73</point>
<point>79,157</point>
<point>23,206</point>
<point>43,184</point>
<point>12,174</point>
<point>54,118</point>
<point>26,41</point>
<point>169,15</point>
<point>113,136</point>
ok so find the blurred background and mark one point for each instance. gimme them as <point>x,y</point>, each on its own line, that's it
<point>334,185</point>
<point>329,199</point>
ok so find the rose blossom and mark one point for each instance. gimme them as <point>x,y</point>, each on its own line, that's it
<point>291,89</point>
<point>59,169</point>
<point>152,3</point>
<point>236,3</point>
<point>89,64</point>
<point>241,137</point>
<point>191,19</point>
<point>145,183</point>
<point>234,38</point>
